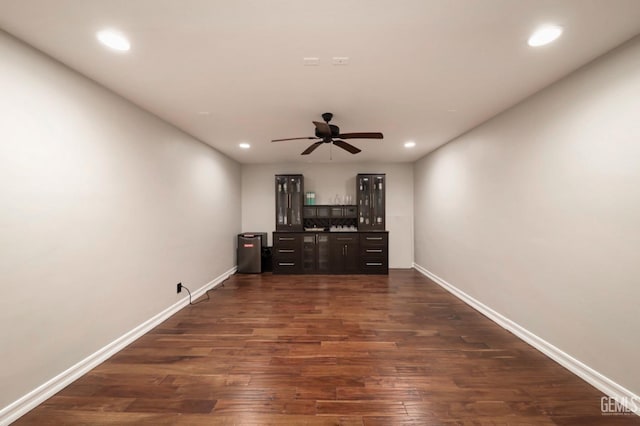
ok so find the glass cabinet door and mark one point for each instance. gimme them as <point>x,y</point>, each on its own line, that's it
<point>371,202</point>
<point>289,202</point>
<point>309,253</point>
<point>377,202</point>
<point>282,202</point>
<point>296,199</point>
<point>323,253</point>
<point>364,201</point>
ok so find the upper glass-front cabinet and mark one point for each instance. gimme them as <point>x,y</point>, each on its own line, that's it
<point>370,190</point>
<point>289,202</point>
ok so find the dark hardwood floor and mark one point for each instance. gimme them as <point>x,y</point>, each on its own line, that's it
<point>320,350</point>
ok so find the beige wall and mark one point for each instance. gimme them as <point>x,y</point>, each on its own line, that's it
<point>536,214</point>
<point>327,180</point>
<point>104,209</point>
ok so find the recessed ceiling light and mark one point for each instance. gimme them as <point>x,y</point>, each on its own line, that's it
<point>409,144</point>
<point>114,40</point>
<point>544,35</point>
<point>244,145</point>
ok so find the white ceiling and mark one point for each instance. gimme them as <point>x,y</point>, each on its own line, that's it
<point>422,70</point>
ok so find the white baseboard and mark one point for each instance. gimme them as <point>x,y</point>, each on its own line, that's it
<point>586,373</point>
<point>20,407</point>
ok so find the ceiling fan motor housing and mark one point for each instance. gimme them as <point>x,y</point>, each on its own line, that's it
<point>335,132</point>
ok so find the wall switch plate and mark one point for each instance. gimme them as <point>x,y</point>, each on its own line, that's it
<point>340,60</point>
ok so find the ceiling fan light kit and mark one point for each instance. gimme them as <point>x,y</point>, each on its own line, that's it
<point>330,133</point>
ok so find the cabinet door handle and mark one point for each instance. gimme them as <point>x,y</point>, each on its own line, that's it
<point>344,239</point>
<point>286,251</point>
<point>374,250</point>
<point>286,264</point>
<point>346,249</point>
<point>374,263</point>
<point>285,239</point>
<point>373,238</point>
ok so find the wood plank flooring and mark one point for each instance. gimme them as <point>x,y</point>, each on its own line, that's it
<point>326,350</point>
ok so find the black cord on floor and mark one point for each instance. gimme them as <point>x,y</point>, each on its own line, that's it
<point>206,292</point>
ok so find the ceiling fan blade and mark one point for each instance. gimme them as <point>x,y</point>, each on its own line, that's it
<point>292,139</point>
<point>365,135</point>
<point>346,146</point>
<point>311,148</point>
<point>323,129</point>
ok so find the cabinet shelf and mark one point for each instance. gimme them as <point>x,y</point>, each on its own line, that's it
<point>327,215</point>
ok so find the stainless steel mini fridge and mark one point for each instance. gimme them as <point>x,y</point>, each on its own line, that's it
<point>249,251</point>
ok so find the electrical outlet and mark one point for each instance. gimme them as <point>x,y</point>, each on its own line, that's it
<point>179,288</point>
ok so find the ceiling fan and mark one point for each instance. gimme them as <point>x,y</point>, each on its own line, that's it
<point>329,133</point>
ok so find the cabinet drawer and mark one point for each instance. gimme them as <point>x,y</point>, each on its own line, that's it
<point>350,211</point>
<point>323,211</point>
<point>374,239</point>
<point>374,251</point>
<point>336,212</point>
<point>287,266</point>
<point>344,238</point>
<point>372,265</point>
<point>285,252</point>
<point>287,240</point>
